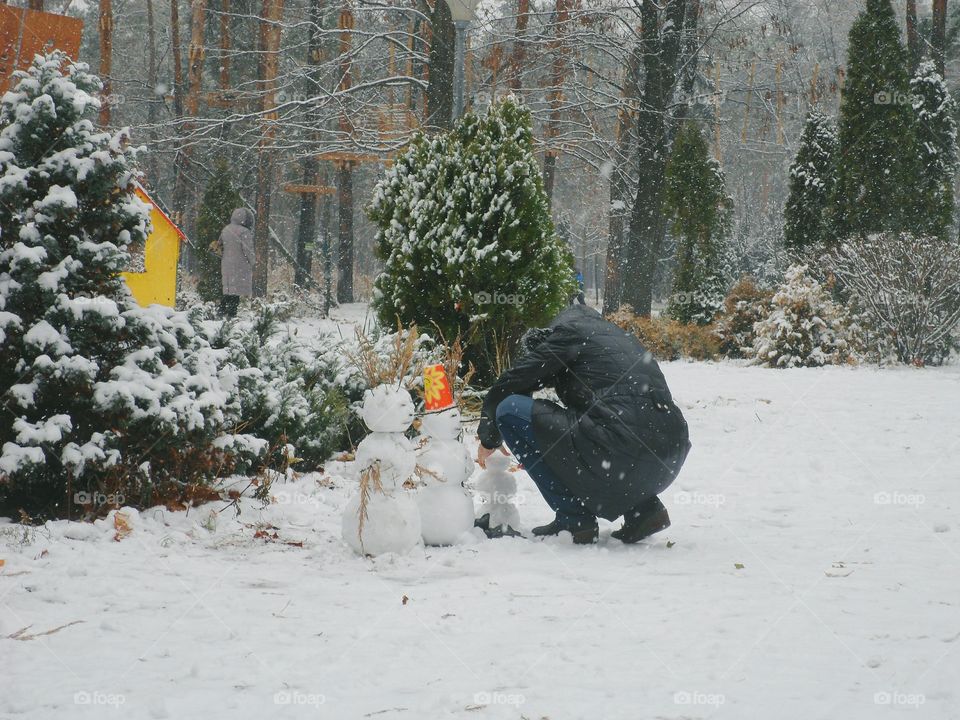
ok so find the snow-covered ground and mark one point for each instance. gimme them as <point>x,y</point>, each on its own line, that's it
<point>811,572</point>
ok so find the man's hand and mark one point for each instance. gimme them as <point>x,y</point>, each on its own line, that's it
<point>483,453</point>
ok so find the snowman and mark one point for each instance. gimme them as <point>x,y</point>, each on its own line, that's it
<point>446,509</point>
<point>382,517</point>
<point>497,487</point>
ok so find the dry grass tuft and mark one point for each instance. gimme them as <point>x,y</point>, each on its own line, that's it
<point>395,367</point>
<point>369,484</point>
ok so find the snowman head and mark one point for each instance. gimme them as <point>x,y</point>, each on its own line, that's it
<point>498,462</point>
<point>387,408</point>
<point>443,425</point>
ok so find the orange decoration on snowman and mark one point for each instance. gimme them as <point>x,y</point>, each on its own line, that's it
<point>437,393</point>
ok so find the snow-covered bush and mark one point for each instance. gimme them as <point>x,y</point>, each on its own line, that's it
<point>909,289</point>
<point>668,339</point>
<point>745,305</point>
<point>804,327</point>
<point>302,396</point>
<point>282,390</point>
<point>464,230</point>
<point>98,399</point>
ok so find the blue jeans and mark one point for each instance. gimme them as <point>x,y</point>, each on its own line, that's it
<point>515,422</point>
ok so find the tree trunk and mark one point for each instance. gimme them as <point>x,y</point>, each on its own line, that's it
<point>106,59</point>
<point>549,173</point>
<point>195,55</point>
<point>307,228</point>
<point>913,37</point>
<point>661,50</point>
<point>420,47</point>
<point>261,227</point>
<point>179,179</point>
<point>518,56</point>
<point>440,89</point>
<point>938,34</point>
<point>306,224</point>
<point>613,284</point>
<point>327,256</point>
<point>345,212</point>
<point>152,85</point>
<point>619,187</point>
<point>561,15</point>
<point>185,166</point>
<point>226,41</point>
<point>267,67</point>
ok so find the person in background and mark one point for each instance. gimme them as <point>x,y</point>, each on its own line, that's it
<point>617,441</point>
<point>236,263</point>
<point>579,297</point>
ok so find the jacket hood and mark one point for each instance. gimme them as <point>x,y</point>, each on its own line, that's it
<point>242,216</point>
<point>574,312</point>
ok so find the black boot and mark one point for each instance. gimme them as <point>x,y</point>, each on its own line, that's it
<point>492,533</point>
<point>644,520</point>
<point>584,531</point>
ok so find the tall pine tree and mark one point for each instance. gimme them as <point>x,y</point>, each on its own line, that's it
<point>877,164</point>
<point>811,185</point>
<point>699,210</point>
<point>936,133</point>
<point>220,199</point>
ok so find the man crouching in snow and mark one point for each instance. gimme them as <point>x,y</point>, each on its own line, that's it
<point>617,441</point>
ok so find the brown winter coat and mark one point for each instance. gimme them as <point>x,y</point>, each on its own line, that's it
<point>236,265</point>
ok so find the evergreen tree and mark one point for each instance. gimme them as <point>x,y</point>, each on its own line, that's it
<point>811,184</point>
<point>220,199</point>
<point>804,327</point>
<point>464,230</point>
<point>699,210</point>
<point>94,396</point>
<point>877,159</point>
<point>936,133</point>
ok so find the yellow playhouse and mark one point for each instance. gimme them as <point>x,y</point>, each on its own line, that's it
<point>157,284</point>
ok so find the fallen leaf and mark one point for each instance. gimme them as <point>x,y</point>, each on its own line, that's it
<point>121,523</point>
<point>404,599</point>
<point>738,566</point>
